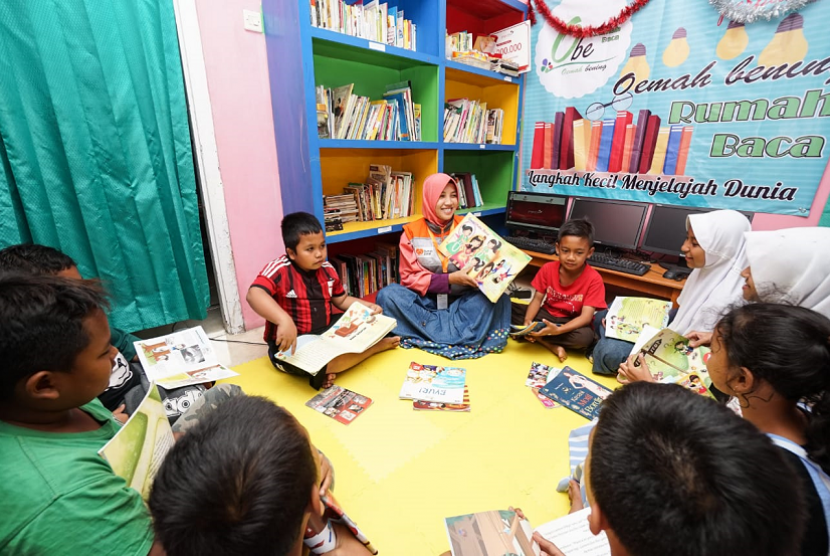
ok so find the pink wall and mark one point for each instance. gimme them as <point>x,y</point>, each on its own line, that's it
<point>240,97</point>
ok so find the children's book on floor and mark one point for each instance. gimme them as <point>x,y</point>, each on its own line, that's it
<point>490,261</point>
<point>537,378</point>
<point>354,332</point>
<point>571,535</point>
<point>627,316</point>
<point>464,406</point>
<point>136,451</point>
<point>340,404</point>
<point>181,359</point>
<point>492,533</point>
<point>577,392</point>
<point>672,360</point>
<point>430,383</point>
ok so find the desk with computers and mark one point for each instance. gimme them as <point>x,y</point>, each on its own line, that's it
<point>628,236</point>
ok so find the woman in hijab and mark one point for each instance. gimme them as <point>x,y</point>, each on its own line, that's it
<point>437,305</point>
<point>715,249</point>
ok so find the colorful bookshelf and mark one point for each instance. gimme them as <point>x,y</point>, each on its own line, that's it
<point>301,57</point>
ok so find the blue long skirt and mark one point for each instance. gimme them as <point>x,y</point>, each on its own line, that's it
<point>471,327</point>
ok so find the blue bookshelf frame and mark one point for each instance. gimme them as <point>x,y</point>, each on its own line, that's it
<point>289,31</point>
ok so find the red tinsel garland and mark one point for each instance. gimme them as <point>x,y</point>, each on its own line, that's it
<point>577,30</point>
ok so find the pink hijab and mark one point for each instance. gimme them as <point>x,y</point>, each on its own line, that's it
<point>433,186</point>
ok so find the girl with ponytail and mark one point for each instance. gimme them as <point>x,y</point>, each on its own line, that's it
<point>775,360</point>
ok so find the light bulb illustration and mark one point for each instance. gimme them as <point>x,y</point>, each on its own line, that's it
<point>734,41</point>
<point>678,49</point>
<point>788,45</point>
<point>637,63</point>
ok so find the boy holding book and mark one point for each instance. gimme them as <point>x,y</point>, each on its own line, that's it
<point>295,293</point>
<point>568,292</point>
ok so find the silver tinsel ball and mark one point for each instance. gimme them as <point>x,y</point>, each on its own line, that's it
<point>741,12</point>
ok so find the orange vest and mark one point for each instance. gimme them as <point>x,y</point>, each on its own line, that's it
<point>425,248</point>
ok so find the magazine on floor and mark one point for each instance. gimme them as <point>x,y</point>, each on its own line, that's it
<point>577,392</point>
<point>672,360</point>
<point>492,533</point>
<point>136,451</point>
<point>628,315</point>
<point>571,535</point>
<point>340,404</point>
<point>430,383</point>
<point>464,406</point>
<point>354,332</point>
<point>493,263</point>
<point>537,378</point>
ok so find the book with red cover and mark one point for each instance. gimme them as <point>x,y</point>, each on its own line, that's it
<point>547,147</point>
<point>649,142</point>
<point>566,148</point>
<point>637,146</point>
<point>618,142</point>
<point>558,131</point>
<point>682,156</point>
<point>593,152</point>
<point>469,192</point>
<point>630,130</point>
<point>537,158</point>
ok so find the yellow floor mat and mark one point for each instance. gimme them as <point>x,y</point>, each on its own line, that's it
<point>399,472</point>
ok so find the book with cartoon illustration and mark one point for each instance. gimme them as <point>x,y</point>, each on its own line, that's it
<point>522,330</point>
<point>464,406</point>
<point>136,451</point>
<point>537,378</point>
<point>627,316</point>
<point>672,360</point>
<point>340,404</point>
<point>577,392</point>
<point>493,533</point>
<point>430,383</point>
<point>490,261</point>
<point>354,332</point>
<point>167,358</point>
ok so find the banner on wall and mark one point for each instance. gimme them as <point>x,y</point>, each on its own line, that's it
<point>678,106</point>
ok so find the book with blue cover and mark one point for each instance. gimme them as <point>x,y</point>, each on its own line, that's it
<point>430,383</point>
<point>577,392</point>
<point>672,150</point>
<point>605,141</point>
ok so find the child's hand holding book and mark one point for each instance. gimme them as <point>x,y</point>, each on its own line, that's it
<point>634,369</point>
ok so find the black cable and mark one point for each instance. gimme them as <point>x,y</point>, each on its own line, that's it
<point>238,342</point>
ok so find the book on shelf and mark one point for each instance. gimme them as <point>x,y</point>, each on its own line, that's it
<point>363,275</point>
<point>493,533</point>
<point>341,404</point>
<point>349,116</point>
<point>181,358</point>
<point>374,21</point>
<point>354,332</point>
<point>469,121</point>
<point>469,193</point>
<point>489,260</point>
<point>430,383</point>
<point>671,360</point>
<point>136,451</point>
<point>577,392</point>
<point>628,315</point>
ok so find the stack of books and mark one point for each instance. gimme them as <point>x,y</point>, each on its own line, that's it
<point>365,274</point>
<point>436,388</point>
<point>469,194</point>
<point>339,209</point>
<point>385,194</point>
<point>469,121</point>
<point>374,21</point>
<point>344,115</point>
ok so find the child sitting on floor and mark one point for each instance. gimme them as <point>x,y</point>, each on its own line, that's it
<point>295,293</point>
<point>671,472</point>
<point>568,292</point>
<point>59,496</point>
<point>227,488</point>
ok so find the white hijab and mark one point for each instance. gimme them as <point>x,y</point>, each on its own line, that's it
<point>713,288</point>
<point>792,266</point>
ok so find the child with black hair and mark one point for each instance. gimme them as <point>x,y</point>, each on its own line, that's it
<point>673,473</point>
<point>568,292</point>
<point>227,488</point>
<point>128,384</point>
<point>59,496</point>
<point>295,293</point>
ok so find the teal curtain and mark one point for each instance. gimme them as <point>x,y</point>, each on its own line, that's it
<point>95,151</point>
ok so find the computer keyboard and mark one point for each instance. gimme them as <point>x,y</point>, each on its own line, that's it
<point>531,244</point>
<point>610,262</point>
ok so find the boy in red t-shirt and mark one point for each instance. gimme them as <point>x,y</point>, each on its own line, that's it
<point>568,292</point>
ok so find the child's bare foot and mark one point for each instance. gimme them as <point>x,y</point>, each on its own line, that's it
<point>389,343</point>
<point>575,494</point>
<point>557,350</point>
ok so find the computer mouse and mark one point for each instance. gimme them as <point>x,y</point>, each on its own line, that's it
<point>672,275</point>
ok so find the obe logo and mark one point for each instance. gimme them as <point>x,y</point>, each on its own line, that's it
<point>571,67</point>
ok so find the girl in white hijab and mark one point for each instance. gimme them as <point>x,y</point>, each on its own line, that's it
<point>715,248</point>
<point>789,266</point>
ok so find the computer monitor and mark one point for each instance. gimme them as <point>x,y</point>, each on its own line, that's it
<point>535,212</point>
<point>666,228</point>
<point>616,223</point>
